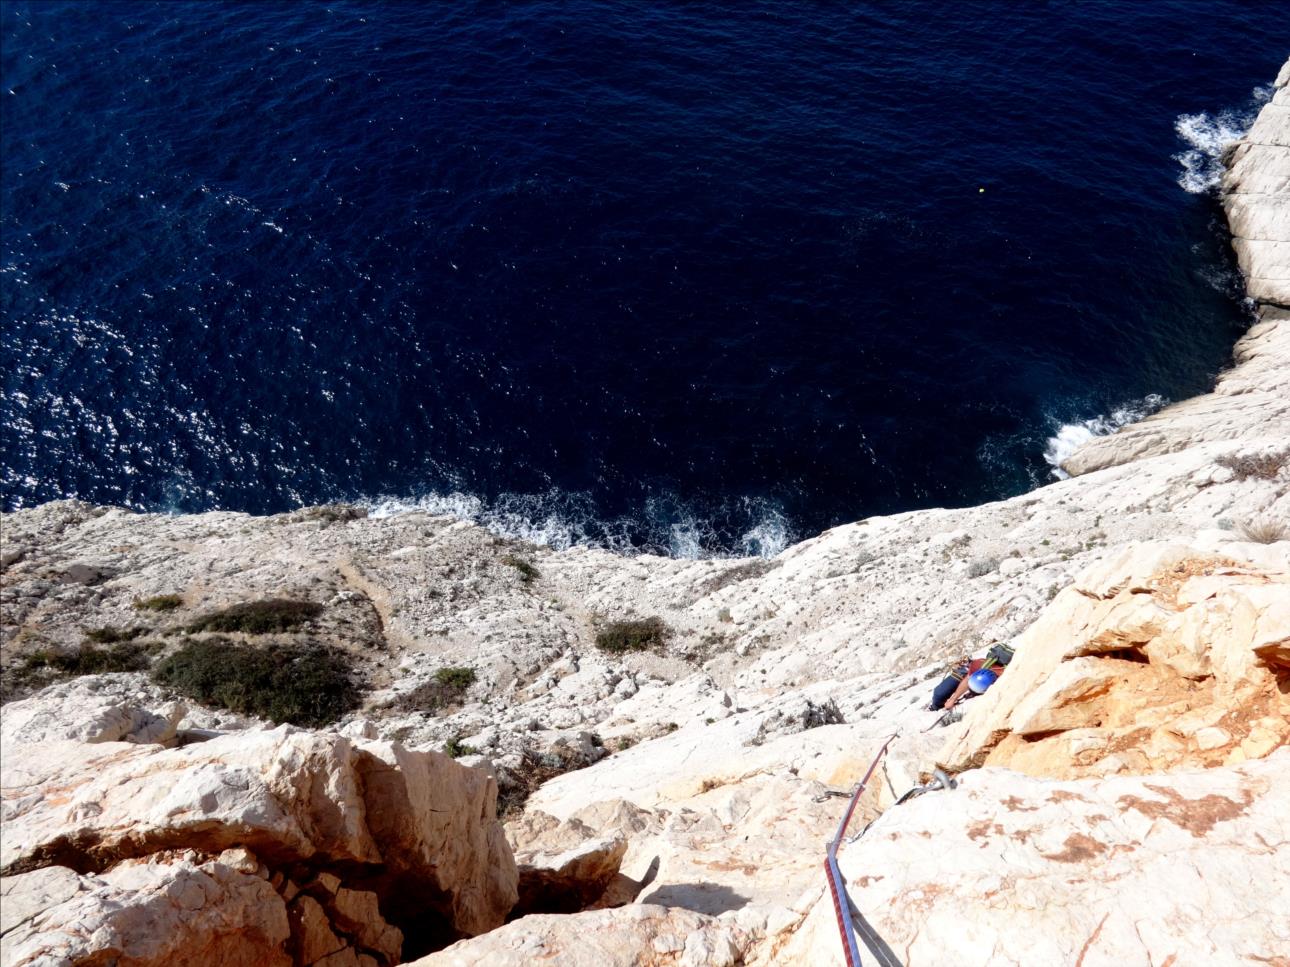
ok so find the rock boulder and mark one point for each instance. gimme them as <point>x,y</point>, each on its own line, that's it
<point>411,837</point>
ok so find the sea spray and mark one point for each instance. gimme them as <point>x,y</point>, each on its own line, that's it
<point>1207,135</point>
<point>1069,437</point>
<point>665,525</point>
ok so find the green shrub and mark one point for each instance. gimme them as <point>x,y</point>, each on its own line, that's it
<point>528,573</point>
<point>309,685</point>
<point>515,785</point>
<point>642,634</point>
<point>455,748</point>
<point>447,688</point>
<point>455,676</point>
<point>161,602</point>
<point>110,636</point>
<point>259,617</point>
<point>125,655</point>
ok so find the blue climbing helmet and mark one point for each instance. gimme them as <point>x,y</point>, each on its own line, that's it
<point>979,681</point>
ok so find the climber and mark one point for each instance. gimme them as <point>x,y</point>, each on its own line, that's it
<point>951,689</point>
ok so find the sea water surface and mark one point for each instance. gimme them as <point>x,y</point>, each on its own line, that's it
<point>695,278</point>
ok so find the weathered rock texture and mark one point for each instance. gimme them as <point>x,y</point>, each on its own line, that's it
<point>565,867</point>
<point>1256,194</point>
<point>168,908</point>
<point>82,711</point>
<point>1010,870</point>
<point>1162,658</point>
<point>369,832</point>
<point>636,936</point>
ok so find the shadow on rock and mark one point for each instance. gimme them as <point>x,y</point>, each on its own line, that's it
<point>709,898</point>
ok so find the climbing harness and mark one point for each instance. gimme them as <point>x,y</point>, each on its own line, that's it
<point>841,901</point>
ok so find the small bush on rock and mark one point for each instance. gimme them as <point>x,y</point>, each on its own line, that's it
<point>982,567</point>
<point>259,617</point>
<point>622,637</point>
<point>515,785</point>
<point>1259,466</point>
<point>448,687</point>
<point>123,656</point>
<point>1264,531</point>
<point>160,602</point>
<point>528,573</point>
<point>109,635</point>
<point>455,749</point>
<point>455,676</point>
<point>308,685</point>
<point>40,668</point>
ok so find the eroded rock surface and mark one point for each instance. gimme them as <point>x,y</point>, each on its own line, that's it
<point>1149,662</point>
<point>1012,870</point>
<point>370,832</point>
<point>165,909</point>
<point>78,711</point>
<point>635,936</point>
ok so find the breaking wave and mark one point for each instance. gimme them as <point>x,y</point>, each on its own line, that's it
<point>1069,437</point>
<point>1207,135</point>
<point>747,527</point>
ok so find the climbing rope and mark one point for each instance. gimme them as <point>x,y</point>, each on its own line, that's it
<point>837,886</point>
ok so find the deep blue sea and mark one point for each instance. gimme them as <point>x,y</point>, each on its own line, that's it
<point>698,278</point>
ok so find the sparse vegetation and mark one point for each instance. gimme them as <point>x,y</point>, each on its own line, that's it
<point>160,602</point>
<point>258,617</point>
<point>43,667</point>
<point>310,685</point>
<point>332,513</point>
<point>528,573</point>
<point>458,677</point>
<point>111,636</point>
<point>124,655</point>
<point>982,567</point>
<point>446,688</point>
<point>514,786</point>
<point>1264,531</point>
<point>641,634</point>
<point>1257,466</point>
<point>454,748</point>
<point>747,571</point>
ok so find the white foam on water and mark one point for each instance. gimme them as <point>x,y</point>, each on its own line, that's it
<point>1069,437</point>
<point>561,521</point>
<point>1206,135</point>
<point>768,538</point>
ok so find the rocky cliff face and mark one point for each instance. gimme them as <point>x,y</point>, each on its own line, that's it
<point>113,848</point>
<point>670,737</point>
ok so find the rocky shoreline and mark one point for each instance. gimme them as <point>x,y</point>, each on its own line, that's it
<point>667,736</point>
